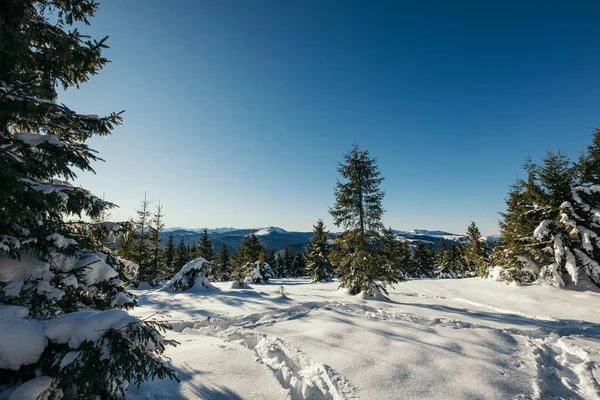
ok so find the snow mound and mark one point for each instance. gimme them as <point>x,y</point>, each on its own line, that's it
<point>78,327</point>
<point>237,285</point>
<point>22,341</point>
<point>32,390</point>
<point>191,276</point>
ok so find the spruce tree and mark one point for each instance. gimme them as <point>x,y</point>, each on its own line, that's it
<point>558,237</point>
<point>182,255</point>
<point>222,269</point>
<point>298,265</point>
<point>248,262</point>
<point>358,210</point>
<point>168,258</point>
<point>450,261</point>
<point>477,251</point>
<point>205,248</point>
<point>318,265</point>
<point>155,227</point>
<point>422,262</point>
<point>518,251</point>
<point>395,254</point>
<point>287,262</point>
<point>48,246</point>
<point>141,252</point>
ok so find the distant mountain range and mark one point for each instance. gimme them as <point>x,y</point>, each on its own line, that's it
<point>277,239</point>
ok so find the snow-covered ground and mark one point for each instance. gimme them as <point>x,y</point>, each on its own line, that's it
<point>444,339</point>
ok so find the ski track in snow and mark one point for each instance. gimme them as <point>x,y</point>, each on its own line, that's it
<point>564,370</point>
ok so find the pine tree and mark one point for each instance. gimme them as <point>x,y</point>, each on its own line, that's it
<point>358,210</point>
<point>222,270</point>
<point>182,255</point>
<point>298,266</point>
<point>476,252</point>
<point>318,265</point>
<point>396,255</point>
<point>248,262</point>
<point>155,227</point>
<point>169,258</point>
<point>518,249</point>
<point>558,237</point>
<point>287,263</point>
<point>279,266</point>
<point>205,249</point>
<point>141,252</point>
<point>422,262</point>
<point>45,230</point>
<point>450,261</point>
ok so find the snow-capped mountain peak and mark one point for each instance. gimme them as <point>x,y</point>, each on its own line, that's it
<point>270,229</point>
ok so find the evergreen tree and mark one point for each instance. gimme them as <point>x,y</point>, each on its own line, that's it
<point>558,237</point>
<point>205,248</point>
<point>182,255</point>
<point>155,227</point>
<point>358,210</point>
<point>396,255</point>
<point>318,265</point>
<point>248,262</point>
<point>169,258</point>
<point>44,229</point>
<point>279,266</point>
<point>141,252</point>
<point>450,261</point>
<point>298,266</point>
<point>518,250</point>
<point>477,251</point>
<point>222,270</point>
<point>422,262</point>
<point>287,263</point>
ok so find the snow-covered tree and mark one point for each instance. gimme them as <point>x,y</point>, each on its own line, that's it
<point>191,275</point>
<point>318,265</point>
<point>358,210</point>
<point>555,236</point>
<point>450,262</point>
<point>62,291</point>
<point>517,248</point>
<point>248,262</point>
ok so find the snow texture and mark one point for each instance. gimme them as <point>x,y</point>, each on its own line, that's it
<point>31,390</point>
<point>22,341</point>
<point>467,338</point>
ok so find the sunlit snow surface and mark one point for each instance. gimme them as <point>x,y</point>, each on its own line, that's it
<point>435,339</point>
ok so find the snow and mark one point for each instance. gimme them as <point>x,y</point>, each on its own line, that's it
<point>542,230</point>
<point>269,230</point>
<point>459,338</point>
<point>22,341</point>
<point>31,390</point>
<point>34,139</point>
<point>60,241</point>
<point>78,327</point>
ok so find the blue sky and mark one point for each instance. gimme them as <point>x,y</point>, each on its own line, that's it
<point>237,112</point>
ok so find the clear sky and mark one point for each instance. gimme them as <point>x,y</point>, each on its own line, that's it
<point>237,112</point>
